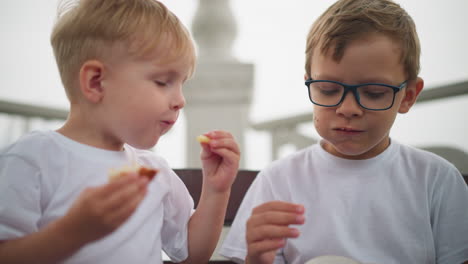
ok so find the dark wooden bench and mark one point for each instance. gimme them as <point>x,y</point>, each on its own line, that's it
<point>193,180</point>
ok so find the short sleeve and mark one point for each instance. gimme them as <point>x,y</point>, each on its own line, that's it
<point>20,207</point>
<point>178,209</point>
<point>449,216</point>
<point>234,245</point>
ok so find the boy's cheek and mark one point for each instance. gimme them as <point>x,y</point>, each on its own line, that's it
<point>318,125</point>
<point>316,121</point>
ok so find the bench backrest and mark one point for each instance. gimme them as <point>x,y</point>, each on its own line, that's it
<point>193,180</point>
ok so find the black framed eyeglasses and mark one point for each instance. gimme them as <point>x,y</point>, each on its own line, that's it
<point>371,96</point>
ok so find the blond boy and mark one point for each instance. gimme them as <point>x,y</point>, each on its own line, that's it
<point>123,64</point>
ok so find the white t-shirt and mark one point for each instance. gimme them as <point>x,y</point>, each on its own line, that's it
<point>403,206</point>
<point>43,173</point>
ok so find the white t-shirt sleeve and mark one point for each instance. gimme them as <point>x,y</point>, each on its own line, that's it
<point>449,214</point>
<point>178,209</point>
<point>20,197</point>
<point>234,246</point>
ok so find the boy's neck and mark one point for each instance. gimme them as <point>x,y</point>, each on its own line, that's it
<point>85,131</point>
<point>374,152</point>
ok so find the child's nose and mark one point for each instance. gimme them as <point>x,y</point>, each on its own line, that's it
<point>178,100</point>
<point>349,107</point>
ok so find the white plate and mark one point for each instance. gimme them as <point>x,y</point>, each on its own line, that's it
<point>332,260</point>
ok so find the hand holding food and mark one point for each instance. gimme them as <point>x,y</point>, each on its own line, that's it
<point>142,171</point>
<point>203,139</point>
<point>99,210</point>
<point>220,157</point>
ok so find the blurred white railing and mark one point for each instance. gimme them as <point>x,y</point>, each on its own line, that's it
<point>17,119</point>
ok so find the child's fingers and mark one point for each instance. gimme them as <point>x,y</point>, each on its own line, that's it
<point>223,139</point>
<point>276,218</point>
<point>228,143</point>
<point>206,151</point>
<point>118,183</point>
<point>215,134</point>
<point>227,155</point>
<point>120,204</point>
<point>221,144</point>
<point>271,220</point>
<point>222,152</point>
<point>125,210</point>
<point>279,206</point>
<point>100,210</point>
<point>265,232</point>
<point>124,193</point>
<point>264,246</point>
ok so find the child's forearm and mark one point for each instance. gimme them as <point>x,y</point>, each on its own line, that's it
<point>49,245</point>
<point>205,226</point>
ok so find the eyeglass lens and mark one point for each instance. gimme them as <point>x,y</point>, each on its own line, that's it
<point>369,96</point>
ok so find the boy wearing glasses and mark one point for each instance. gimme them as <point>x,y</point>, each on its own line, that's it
<point>357,194</point>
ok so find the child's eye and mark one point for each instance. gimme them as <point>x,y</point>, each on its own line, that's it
<point>375,92</point>
<point>330,92</point>
<point>160,83</point>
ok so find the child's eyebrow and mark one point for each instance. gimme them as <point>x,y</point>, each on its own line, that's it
<point>363,80</point>
<point>377,80</point>
<point>325,77</point>
<point>170,74</point>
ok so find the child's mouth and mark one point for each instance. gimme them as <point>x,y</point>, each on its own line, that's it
<point>348,130</point>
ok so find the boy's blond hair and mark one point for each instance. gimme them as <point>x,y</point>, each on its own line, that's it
<point>91,29</point>
<point>348,20</point>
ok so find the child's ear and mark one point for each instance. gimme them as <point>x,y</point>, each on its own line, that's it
<point>411,91</point>
<point>92,80</point>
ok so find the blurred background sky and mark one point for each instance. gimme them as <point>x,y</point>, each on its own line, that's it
<point>271,35</point>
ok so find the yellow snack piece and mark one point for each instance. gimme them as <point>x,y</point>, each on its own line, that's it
<point>203,139</point>
<point>147,172</point>
<point>114,174</point>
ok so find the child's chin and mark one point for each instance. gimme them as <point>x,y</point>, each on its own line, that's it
<point>349,152</point>
<point>356,154</point>
<point>145,145</point>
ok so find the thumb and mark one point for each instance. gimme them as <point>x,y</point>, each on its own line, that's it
<point>205,151</point>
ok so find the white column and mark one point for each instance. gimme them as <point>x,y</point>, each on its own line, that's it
<point>219,95</point>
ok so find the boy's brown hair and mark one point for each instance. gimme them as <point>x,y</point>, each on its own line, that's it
<point>92,29</point>
<point>347,20</point>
